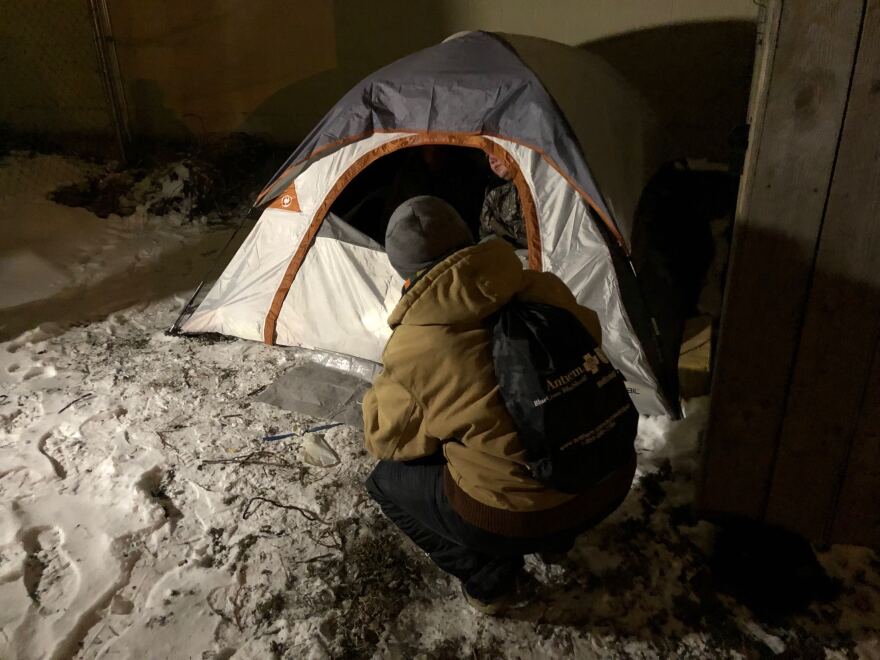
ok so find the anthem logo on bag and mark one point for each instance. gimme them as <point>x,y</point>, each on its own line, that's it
<point>570,406</point>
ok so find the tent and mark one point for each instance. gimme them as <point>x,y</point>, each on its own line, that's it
<point>582,145</point>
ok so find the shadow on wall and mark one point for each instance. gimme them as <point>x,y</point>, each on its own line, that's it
<point>366,40</point>
<point>792,403</point>
<point>151,114</point>
<point>697,77</point>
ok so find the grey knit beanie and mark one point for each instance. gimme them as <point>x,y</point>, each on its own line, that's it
<point>422,231</point>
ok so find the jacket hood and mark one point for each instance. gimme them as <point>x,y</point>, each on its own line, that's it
<point>466,287</point>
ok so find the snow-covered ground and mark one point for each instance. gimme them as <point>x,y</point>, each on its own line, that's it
<point>142,515</point>
<point>61,264</point>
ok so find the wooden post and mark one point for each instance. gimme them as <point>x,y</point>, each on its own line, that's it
<point>856,517</point>
<point>802,92</point>
<point>832,415</point>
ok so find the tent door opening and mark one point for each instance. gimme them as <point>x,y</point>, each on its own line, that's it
<point>458,175</point>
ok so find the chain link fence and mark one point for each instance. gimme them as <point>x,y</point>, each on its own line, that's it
<point>54,98</point>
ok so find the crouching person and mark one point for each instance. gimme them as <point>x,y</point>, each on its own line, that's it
<point>453,474</point>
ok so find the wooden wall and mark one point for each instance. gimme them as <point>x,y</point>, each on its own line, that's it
<point>794,430</point>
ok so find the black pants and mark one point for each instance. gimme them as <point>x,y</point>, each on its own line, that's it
<point>411,495</point>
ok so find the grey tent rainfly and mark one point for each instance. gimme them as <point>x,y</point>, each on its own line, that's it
<point>580,142</point>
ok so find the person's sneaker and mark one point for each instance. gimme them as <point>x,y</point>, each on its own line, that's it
<point>491,608</point>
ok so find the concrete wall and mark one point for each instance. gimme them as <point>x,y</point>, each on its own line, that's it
<point>275,67</point>
<point>206,67</point>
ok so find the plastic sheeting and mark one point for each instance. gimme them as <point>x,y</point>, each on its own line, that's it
<point>318,391</point>
<point>365,370</point>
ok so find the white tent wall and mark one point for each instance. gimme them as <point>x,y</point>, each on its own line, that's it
<point>238,302</point>
<point>340,300</point>
<point>343,294</point>
<point>236,305</point>
<point>316,177</point>
<point>573,249</point>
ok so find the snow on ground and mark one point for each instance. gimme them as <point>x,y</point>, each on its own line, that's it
<point>143,516</point>
<point>62,264</point>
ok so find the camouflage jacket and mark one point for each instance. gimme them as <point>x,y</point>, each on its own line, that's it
<point>502,216</point>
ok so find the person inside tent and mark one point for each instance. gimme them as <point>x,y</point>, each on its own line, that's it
<point>455,174</point>
<point>452,472</point>
<point>501,214</point>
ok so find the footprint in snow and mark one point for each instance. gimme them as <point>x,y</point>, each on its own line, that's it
<point>48,575</point>
<point>38,371</point>
<point>13,346</point>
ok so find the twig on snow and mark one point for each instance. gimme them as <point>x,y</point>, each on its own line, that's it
<point>77,400</point>
<point>256,391</point>
<point>308,514</point>
<point>258,457</point>
<point>314,429</point>
<point>335,542</point>
<point>326,555</point>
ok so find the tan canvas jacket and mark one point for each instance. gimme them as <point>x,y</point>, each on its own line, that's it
<point>438,391</point>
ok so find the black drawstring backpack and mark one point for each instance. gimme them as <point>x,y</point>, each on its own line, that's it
<point>569,405</point>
